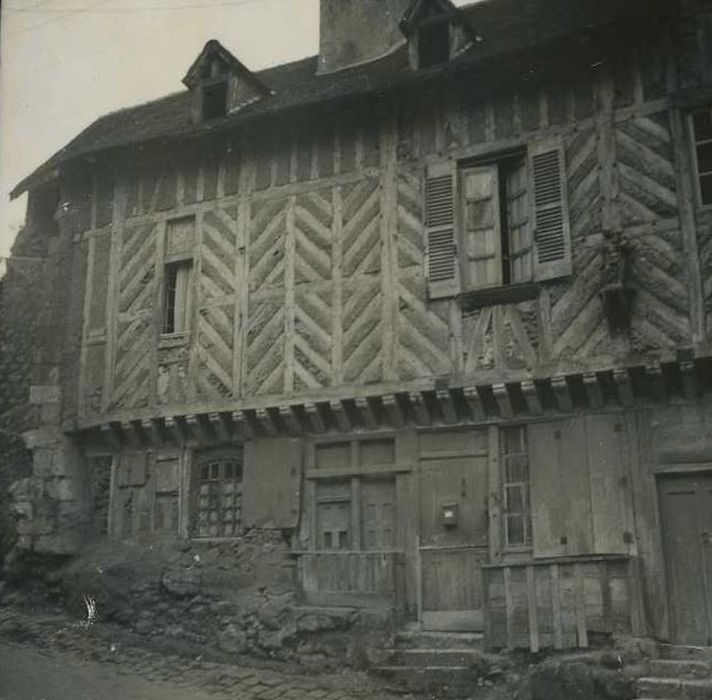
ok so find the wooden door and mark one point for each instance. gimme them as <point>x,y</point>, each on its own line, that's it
<point>453,528</point>
<point>378,514</point>
<point>686,520</point>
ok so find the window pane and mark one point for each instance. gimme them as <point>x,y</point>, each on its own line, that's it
<point>706,189</point>
<point>516,469</point>
<point>704,158</point>
<point>514,500</point>
<point>515,530</point>
<point>702,122</point>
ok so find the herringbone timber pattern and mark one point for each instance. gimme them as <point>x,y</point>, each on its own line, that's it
<point>218,254</point>
<point>266,319</point>
<point>135,336</point>
<point>646,173</point>
<point>265,347</point>
<point>423,326</point>
<point>215,352</point>
<point>313,218</point>
<point>360,237</point>
<point>268,231</point>
<point>577,320</point>
<point>362,330</point>
<point>362,298</point>
<point>660,315</point>
<point>214,375</point>
<point>313,338</point>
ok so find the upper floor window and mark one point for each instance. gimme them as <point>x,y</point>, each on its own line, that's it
<point>214,102</point>
<point>434,42</point>
<point>497,222</point>
<point>178,275</point>
<point>702,131</point>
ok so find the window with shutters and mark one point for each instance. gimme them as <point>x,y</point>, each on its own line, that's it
<point>497,222</point>
<point>702,133</point>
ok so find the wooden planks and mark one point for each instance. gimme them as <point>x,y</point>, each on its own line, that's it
<point>556,603</point>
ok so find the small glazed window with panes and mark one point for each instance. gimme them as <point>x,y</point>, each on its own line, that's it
<point>218,495</point>
<point>702,133</point>
<point>515,488</point>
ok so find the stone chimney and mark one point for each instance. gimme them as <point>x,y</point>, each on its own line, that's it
<point>357,31</point>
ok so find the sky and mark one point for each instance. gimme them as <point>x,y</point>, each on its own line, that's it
<point>64,63</point>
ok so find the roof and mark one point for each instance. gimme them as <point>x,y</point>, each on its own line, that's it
<point>502,27</point>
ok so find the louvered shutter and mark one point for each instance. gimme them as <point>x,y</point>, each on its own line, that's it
<point>441,265</point>
<point>550,212</point>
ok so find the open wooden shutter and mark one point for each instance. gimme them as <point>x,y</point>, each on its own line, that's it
<point>550,215</point>
<point>481,236</point>
<point>441,265</point>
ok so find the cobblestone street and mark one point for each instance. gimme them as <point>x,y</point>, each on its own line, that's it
<point>47,656</point>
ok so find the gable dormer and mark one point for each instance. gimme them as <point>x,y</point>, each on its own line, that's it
<point>436,32</point>
<point>221,84</point>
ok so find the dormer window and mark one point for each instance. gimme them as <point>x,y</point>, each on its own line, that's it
<point>214,102</point>
<point>436,32</point>
<point>433,43</point>
<point>220,84</point>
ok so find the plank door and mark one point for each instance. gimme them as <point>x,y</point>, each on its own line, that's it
<point>453,477</point>
<point>378,514</point>
<point>686,521</point>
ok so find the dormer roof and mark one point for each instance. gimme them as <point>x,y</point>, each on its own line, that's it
<point>420,10</point>
<point>215,58</point>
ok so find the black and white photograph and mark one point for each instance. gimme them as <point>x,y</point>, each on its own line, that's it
<point>356,349</point>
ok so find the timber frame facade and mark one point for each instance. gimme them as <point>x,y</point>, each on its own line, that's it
<point>447,326</point>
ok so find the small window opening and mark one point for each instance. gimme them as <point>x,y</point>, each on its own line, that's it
<point>702,125</point>
<point>215,101</point>
<point>433,43</point>
<point>177,296</point>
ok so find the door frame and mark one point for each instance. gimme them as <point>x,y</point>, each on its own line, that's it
<point>662,473</point>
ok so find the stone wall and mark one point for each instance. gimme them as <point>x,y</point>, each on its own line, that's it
<point>20,295</point>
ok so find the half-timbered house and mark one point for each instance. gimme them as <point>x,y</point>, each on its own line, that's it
<point>436,304</point>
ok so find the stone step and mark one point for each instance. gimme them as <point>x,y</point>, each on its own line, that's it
<point>681,652</point>
<point>447,681</point>
<point>434,657</point>
<point>674,668</point>
<point>674,688</point>
<point>417,639</point>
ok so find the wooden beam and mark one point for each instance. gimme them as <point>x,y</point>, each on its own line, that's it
<point>253,422</point>
<point>245,427</point>
<point>343,421</point>
<point>218,426</point>
<point>206,428</point>
<point>532,605</point>
<point>655,382</point>
<point>366,414</point>
<point>474,403</point>
<point>174,429</point>
<point>290,421</point>
<point>111,436</point>
<point>688,377</point>
<point>531,396</point>
<point>229,428</point>
<point>420,411</point>
<point>159,427</point>
<point>150,435</point>
<point>394,411</point>
<point>504,403</point>
<point>316,422</point>
<point>266,422</point>
<point>447,406</point>
<point>562,394</point>
<point>624,387</point>
<point>594,394</point>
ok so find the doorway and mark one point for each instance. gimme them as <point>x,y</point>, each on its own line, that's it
<point>686,521</point>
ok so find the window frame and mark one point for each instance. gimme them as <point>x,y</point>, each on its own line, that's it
<point>202,459</point>
<point>441,22</point>
<point>526,512</point>
<point>218,83</point>
<point>175,256</point>
<point>694,143</point>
